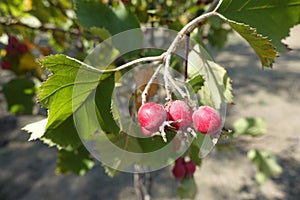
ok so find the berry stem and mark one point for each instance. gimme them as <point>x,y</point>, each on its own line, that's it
<point>166,79</point>
<point>186,56</point>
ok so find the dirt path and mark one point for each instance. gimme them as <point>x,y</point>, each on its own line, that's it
<point>27,168</point>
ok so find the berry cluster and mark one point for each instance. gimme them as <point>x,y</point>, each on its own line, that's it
<point>183,169</point>
<point>13,48</point>
<point>179,116</point>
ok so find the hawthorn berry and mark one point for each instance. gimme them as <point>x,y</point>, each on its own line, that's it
<point>146,132</point>
<point>190,167</point>
<point>179,112</point>
<point>206,119</point>
<point>180,160</point>
<point>23,48</point>
<point>179,170</point>
<point>12,40</point>
<point>151,116</point>
<point>5,65</point>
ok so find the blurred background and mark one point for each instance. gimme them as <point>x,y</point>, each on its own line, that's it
<point>28,168</point>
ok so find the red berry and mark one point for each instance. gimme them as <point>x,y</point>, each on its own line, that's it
<point>179,171</point>
<point>22,48</point>
<point>5,65</point>
<point>190,167</point>
<point>151,116</point>
<point>179,160</point>
<point>206,120</point>
<point>181,112</point>
<point>12,40</point>
<point>11,50</point>
<point>146,132</point>
<point>126,1</point>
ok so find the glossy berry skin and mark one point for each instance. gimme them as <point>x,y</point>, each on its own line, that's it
<point>151,116</point>
<point>206,120</point>
<point>179,171</point>
<point>180,111</point>
<point>145,132</point>
<point>190,167</point>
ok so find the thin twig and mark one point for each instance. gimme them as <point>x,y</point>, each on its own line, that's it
<point>166,79</point>
<point>186,55</point>
<point>134,62</point>
<point>179,90</point>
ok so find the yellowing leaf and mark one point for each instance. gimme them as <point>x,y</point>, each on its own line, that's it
<point>27,63</point>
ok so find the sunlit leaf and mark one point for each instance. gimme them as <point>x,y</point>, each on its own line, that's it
<point>263,46</point>
<point>271,18</point>
<point>120,18</point>
<point>110,171</point>
<point>19,95</point>
<point>254,126</point>
<point>266,164</point>
<point>36,129</point>
<point>217,86</point>
<point>57,92</point>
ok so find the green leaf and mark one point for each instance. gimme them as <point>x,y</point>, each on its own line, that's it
<point>57,92</point>
<point>110,171</point>
<point>100,32</point>
<point>196,83</point>
<point>200,147</point>
<point>77,161</point>
<point>266,164</point>
<point>253,126</point>
<point>260,44</point>
<point>271,18</point>
<point>68,88</point>
<point>217,86</point>
<point>36,129</point>
<point>19,95</point>
<point>62,136</point>
<point>217,35</point>
<point>118,21</point>
<point>103,102</point>
<point>115,20</point>
<point>194,153</point>
<point>187,188</point>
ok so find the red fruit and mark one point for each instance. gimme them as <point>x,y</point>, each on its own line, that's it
<point>126,1</point>
<point>5,65</point>
<point>179,160</point>
<point>11,50</point>
<point>181,112</point>
<point>179,171</point>
<point>146,132</point>
<point>23,48</point>
<point>190,167</point>
<point>151,116</point>
<point>206,120</point>
<point>12,40</point>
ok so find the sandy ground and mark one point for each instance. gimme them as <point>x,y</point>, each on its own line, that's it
<point>27,168</point>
